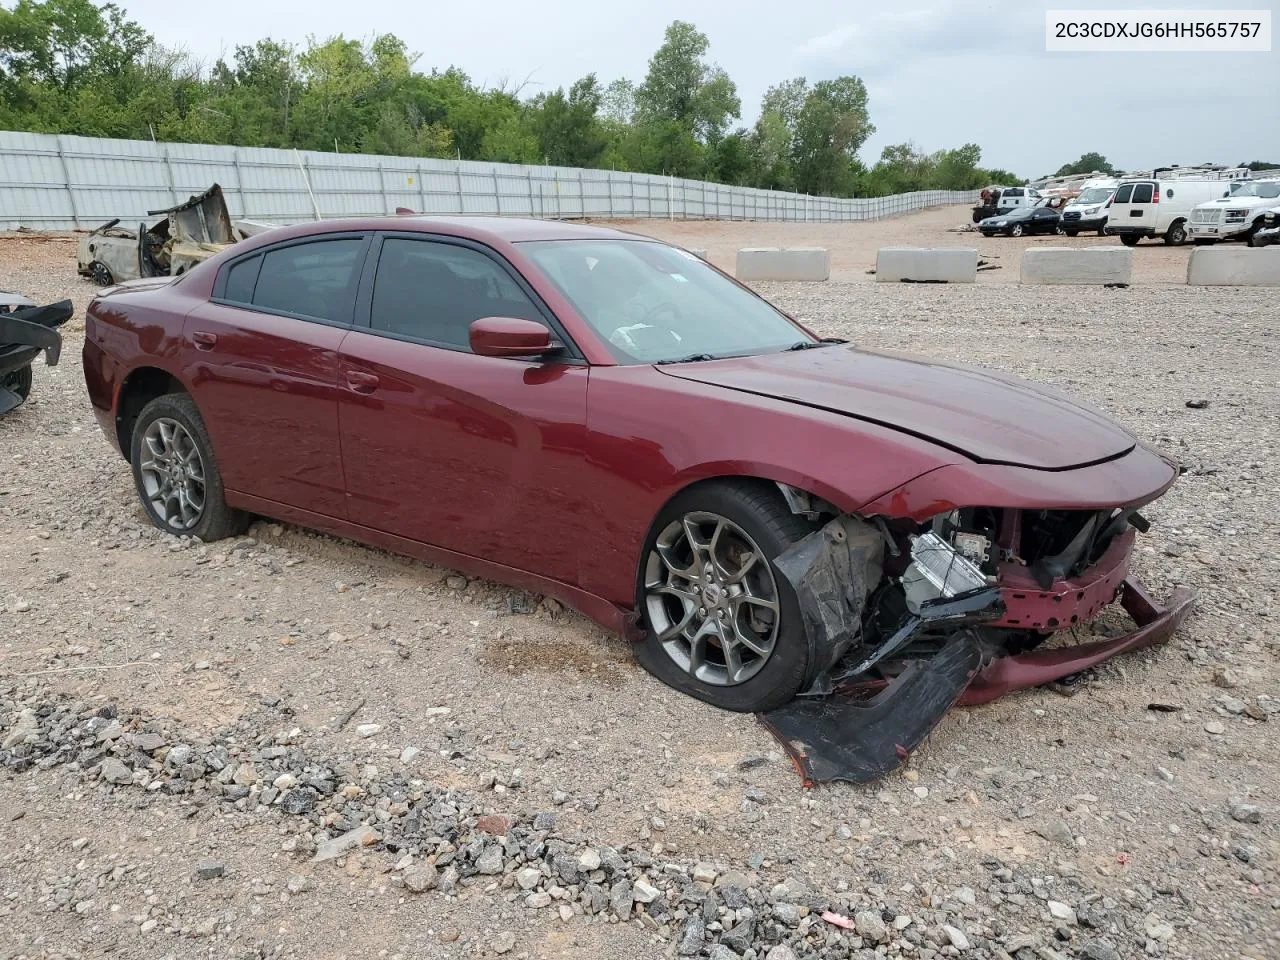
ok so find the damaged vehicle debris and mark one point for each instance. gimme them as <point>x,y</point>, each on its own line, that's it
<point>25,330</point>
<point>190,233</point>
<point>844,541</point>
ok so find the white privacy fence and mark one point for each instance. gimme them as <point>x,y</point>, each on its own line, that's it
<point>52,182</point>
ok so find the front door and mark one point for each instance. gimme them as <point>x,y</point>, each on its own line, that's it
<point>262,360</point>
<point>474,454</point>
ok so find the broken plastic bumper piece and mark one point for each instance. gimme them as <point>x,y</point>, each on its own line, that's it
<point>865,729</point>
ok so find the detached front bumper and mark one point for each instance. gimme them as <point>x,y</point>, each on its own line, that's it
<point>1156,624</point>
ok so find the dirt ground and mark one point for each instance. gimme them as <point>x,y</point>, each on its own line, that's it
<point>853,246</point>
<point>1140,817</point>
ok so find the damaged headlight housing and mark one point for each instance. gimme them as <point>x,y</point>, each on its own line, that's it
<point>939,569</point>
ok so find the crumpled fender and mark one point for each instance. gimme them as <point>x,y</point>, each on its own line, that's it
<point>832,571</point>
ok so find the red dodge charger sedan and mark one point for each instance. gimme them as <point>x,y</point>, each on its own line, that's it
<point>610,420</point>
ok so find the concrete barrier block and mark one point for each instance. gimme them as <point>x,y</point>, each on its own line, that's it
<point>926,265</point>
<point>1234,267</point>
<point>793,263</point>
<point>1096,265</point>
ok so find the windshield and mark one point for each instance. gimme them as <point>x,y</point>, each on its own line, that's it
<point>1095,195</point>
<point>1266,190</point>
<point>652,303</point>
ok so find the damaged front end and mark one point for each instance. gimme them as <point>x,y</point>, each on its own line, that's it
<point>908,619</point>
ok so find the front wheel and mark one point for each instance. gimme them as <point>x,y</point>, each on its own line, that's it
<point>1015,230</point>
<point>721,622</point>
<point>1176,235</point>
<point>1129,239</point>
<point>1060,231</point>
<point>101,274</point>
<point>173,470</point>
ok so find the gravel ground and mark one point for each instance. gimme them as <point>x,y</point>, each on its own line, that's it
<point>157,696</point>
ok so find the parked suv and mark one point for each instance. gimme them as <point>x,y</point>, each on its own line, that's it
<point>1238,216</point>
<point>1158,208</point>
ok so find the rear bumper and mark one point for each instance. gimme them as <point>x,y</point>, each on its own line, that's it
<point>1155,624</point>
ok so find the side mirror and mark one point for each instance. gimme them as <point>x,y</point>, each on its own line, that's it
<point>510,337</point>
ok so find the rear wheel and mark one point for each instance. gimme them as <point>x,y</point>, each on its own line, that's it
<point>1071,233</point>
<point>1129,239</point>
<point>1176,235</point>
<point>1102,231</point>
<point>721,623</point>
<point>175,475</point>
<point>18,382</point>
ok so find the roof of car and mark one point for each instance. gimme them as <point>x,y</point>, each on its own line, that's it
<point>515,229</point>
<point>509,229</point>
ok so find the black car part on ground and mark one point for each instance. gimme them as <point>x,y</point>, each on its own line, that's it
<point>859,740</point>
<point>25,332</point>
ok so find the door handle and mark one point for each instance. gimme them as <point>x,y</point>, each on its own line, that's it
<point>204,340</point>
<point>360,382</point>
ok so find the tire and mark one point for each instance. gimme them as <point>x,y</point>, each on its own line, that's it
<point>1015,230</point>
<point>18,381</point>
<point>988,234</point>
<point>1253,232</point>
<point>100,274</point>
<point>213,520</point>
<point>1176,235</point>
<point>758,511</point>
<point>1060,231</point>
<point>1203,242</point>
<point>1129,239</point>
<point>1072,233</point>
<point>1102,231</point>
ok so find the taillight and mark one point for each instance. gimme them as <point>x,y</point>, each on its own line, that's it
<point>1155,195</point>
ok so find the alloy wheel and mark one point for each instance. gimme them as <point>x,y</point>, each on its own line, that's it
<point>173,474</point>
<point>711,599</point>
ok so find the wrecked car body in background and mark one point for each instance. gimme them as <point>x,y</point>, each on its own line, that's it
<point>25,330</point>
<point>190,233</point>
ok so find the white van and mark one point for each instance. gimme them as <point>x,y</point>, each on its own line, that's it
<point>1014,197</point>
<point>1089,210</point>
<point>1159,208</point>
<point>1238,216</point>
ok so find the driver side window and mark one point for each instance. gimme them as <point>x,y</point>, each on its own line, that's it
<point>432,291</point>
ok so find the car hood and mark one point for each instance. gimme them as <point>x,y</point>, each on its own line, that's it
<point>988,416</point>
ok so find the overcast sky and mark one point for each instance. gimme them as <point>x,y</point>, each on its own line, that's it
<point>938,73</point>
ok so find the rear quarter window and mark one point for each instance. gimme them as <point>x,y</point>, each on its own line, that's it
<point>241,278</point>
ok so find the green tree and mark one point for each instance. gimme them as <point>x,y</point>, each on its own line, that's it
<point>1088,163</point>
<point>831,127</point>
<point>682,88</point>
<point>568,128</point>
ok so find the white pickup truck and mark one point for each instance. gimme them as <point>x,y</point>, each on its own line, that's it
<point>1237,216</point>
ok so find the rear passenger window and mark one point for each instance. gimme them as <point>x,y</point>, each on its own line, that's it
<point>316,279</point>
<point>1142,193</point>
<point>1124,193</point>
<point>435,291</point>
<point>241,279</point>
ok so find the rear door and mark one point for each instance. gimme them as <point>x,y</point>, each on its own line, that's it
<point>1013,197</point>
<point>1135,207</point>
<point>262,359</point>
